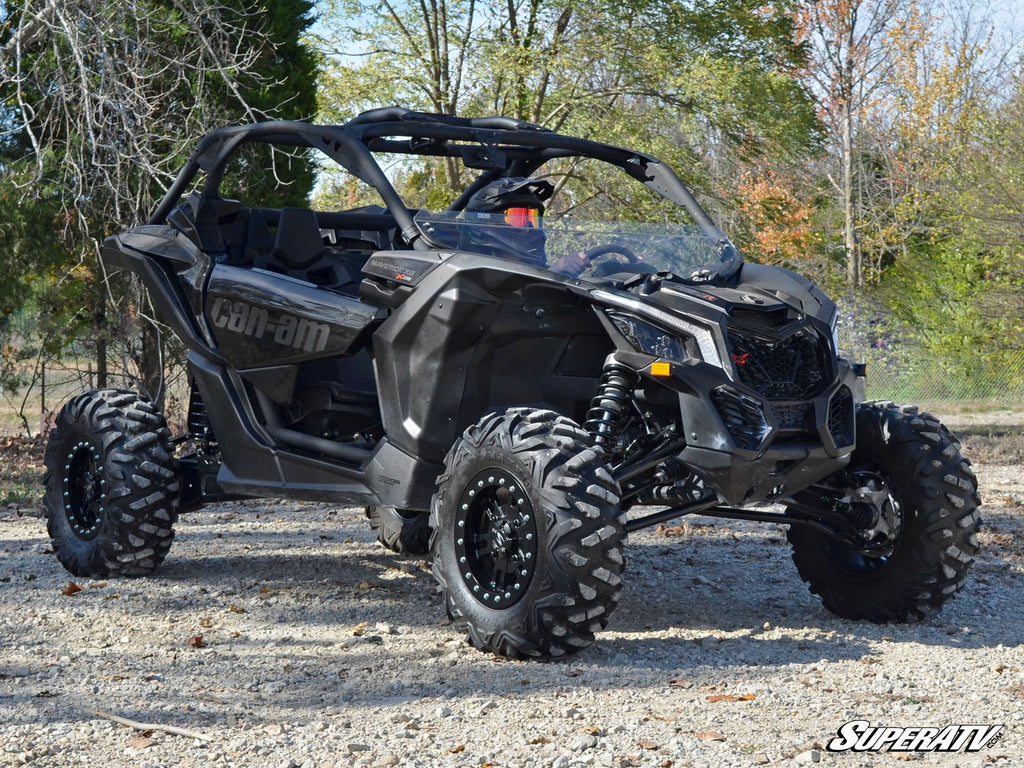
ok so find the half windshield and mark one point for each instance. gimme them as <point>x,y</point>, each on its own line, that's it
<point>588,249</point>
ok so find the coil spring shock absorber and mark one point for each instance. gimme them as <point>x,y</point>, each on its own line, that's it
<point>607,414</point>
<point>861,515</point>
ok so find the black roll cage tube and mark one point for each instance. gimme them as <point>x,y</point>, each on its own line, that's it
<point>480,142</point>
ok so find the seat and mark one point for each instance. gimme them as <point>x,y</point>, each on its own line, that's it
<point>298,242</point>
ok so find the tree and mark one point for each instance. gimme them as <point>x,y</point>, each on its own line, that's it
<point>685,80</point>
<point>848,64</point>
<point>101,101</point>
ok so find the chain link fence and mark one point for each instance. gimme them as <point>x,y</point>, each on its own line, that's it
<point>900,367</point>
<point>31,398</point>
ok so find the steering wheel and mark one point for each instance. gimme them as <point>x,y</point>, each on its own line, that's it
<point>610,267</point>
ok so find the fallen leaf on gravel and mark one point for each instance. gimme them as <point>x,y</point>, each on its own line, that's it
<point>140,742</point>
<point>456,750</point>
<point>205,622</point>
<point>196,641</point>
<point>71,588</point>
<point>540,740</point>
<point>236,608</point>
<point>730,697</point>
<point>710,736</point>
<point>359,629</point>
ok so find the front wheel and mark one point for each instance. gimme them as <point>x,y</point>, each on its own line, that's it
<point>527,535</point>
<point>111,486</point>
<point>912,498</point>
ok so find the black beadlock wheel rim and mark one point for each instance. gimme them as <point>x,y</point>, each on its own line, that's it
<point>890,508</point>
<point>84,489</point>
<point>495,538</point>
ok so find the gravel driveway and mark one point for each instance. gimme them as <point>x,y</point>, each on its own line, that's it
<point>282,635</point>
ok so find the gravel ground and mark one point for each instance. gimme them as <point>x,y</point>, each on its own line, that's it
<point>283,635</point>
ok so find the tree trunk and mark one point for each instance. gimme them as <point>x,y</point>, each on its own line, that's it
<point>99,329</point>
<point>852,248</point>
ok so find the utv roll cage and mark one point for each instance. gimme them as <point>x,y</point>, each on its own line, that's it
<point>494,145</point>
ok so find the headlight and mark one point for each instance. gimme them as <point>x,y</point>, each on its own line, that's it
<point>703,339</point>
<point>647,338</point>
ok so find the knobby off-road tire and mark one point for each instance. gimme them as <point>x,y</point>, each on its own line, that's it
<point>111,487</point>
<point>527,535</point>
<point>401,530</point>
<point>932,494</point>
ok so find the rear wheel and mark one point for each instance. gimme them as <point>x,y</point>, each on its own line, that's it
<point>528,535</point>
<point>401,530</point>
<point>111,486</point>
<point>913,499</point>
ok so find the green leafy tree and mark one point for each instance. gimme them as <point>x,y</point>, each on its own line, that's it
<point>100,102</point>
<point>702,84</point>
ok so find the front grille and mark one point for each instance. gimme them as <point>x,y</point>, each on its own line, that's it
<point>792,418</point>
<point>797,367</point>
<point>743,417</point>
<point>841,418</point>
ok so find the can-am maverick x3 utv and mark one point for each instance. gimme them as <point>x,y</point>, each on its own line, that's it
<point>516,421</point>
